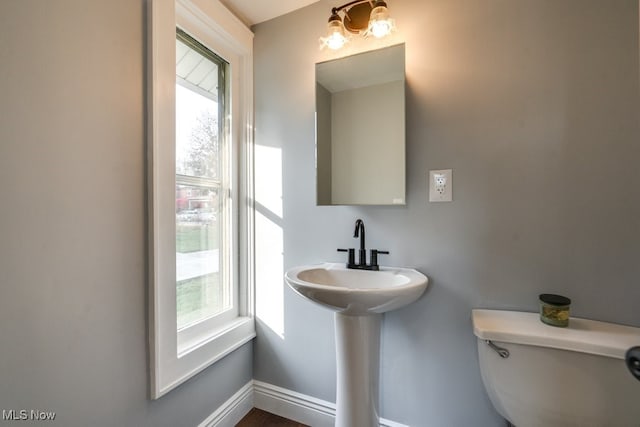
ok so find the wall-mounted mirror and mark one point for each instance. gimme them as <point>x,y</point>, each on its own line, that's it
<point>360,129</point>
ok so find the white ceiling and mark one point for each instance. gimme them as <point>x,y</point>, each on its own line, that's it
<point>255,11</point>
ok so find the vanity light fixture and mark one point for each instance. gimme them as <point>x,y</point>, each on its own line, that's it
<point>364,17</point>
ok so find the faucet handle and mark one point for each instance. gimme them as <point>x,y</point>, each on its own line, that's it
<point>351,257</point>
<point>374,258</point>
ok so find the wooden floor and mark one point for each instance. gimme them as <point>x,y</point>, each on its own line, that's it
<point>259,418</point>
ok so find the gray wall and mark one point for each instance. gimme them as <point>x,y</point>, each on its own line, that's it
<point>534,104</point>
<point>72,208</point>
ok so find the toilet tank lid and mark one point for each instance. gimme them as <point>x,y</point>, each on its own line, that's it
<point>582,335</point>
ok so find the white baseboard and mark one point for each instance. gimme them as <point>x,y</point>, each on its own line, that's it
<point>233,410</point>
<point>279,401</point>
<point>293,405</point>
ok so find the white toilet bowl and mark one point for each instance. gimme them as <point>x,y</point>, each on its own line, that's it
<point>540,375</point>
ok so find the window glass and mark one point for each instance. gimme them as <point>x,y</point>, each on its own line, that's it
<point>202,280</point>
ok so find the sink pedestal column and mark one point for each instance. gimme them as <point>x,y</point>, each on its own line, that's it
<point>358,370</point>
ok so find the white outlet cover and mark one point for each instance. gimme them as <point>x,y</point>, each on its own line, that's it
<point>441,185</point>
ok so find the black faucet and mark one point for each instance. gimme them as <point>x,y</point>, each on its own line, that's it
<point>362,253</point>
<point>359,232</point>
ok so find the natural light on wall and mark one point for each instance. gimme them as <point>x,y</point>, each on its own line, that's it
<point>269,238</point>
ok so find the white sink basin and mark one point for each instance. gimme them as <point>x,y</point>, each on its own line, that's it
<point>357,292</point>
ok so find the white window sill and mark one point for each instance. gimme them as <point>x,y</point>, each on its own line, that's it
<point>227,338</point>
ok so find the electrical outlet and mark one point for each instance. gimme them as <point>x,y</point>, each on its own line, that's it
<point>440,186</point>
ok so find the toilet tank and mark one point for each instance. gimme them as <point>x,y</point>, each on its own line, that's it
<point>552,377</point>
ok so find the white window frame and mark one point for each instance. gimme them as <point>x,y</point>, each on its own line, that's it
<point>175,359</point>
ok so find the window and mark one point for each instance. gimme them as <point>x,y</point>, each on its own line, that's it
<point>205,237</point>
<point>200,188</point>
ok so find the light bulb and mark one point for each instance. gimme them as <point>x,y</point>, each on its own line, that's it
<point>380,29</point>
<point>379,23</point>
<point>335,35</point>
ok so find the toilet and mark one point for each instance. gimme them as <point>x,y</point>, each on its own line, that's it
<point>540,375</point>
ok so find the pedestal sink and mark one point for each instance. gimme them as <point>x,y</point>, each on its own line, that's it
<point>359,298</point>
